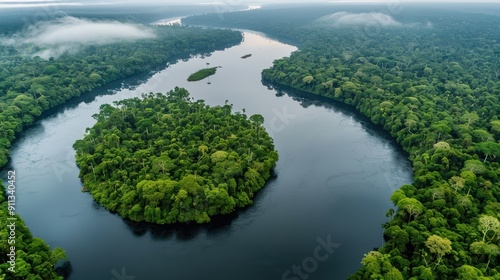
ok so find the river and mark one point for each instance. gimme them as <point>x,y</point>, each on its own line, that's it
<point>336,173</point>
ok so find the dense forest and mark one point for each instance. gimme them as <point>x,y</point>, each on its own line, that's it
<point>33,257</point>
<point>431,79</point>
<point>167,159</point>
<point>30,86</point>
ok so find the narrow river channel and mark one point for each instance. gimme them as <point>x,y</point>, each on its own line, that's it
<point>335,175</point>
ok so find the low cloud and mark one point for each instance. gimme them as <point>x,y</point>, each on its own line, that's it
<point>69,33</point>
<point>347,19</point>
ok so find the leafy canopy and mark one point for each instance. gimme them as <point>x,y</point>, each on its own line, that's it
<point>167,159</point>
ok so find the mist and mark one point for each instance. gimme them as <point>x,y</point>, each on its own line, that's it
<point>346,19</point>
<point>70,34</point>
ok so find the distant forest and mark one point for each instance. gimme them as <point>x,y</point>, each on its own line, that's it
<point>430,77</point>
<point>16,20</point>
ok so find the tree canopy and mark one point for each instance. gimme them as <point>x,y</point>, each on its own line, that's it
<point>167,159</point>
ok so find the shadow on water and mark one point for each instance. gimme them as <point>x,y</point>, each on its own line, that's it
<point>182,232</point>
<point>64,269</point>
<point>306,99</point>
<point>188,231</point>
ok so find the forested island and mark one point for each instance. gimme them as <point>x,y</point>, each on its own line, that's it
<point>432,81</point>
<point>202,74</point>
<point>166,159</point>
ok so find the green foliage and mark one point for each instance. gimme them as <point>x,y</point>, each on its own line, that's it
<point>489,224</point>
<point>397,196</point>
<point>411,206</point>
<point>438,245</point>
<point>378,267</point>
<point>202,74</point>
<point>167,159</point>
<point>308,79</point>
<point>489,149</point>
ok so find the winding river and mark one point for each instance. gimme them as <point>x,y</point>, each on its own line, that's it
<point>316,219</point>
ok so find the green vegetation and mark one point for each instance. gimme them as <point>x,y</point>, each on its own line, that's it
<point>166,159</point>
<point>31,86</point>
<point>436,89</point>
<point>34,259</point>
<point>202,74</point>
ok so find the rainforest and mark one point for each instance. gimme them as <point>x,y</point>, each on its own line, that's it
<point>165,159</point>
<point>386,118</point>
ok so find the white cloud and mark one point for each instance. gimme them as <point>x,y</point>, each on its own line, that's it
<point>345,18</point>
<point>70,30</point>
<point>70,33</point>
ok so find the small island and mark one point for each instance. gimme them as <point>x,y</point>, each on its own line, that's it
<point>168,159</point>
<point>202,74</point>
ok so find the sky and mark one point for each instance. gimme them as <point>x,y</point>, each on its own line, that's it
<point>44,3</point>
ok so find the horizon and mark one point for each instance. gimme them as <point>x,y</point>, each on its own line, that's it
<point>19,4</point>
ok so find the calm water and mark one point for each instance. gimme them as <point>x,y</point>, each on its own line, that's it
<point>335,176</point>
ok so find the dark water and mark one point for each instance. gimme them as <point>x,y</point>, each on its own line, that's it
<point>335,176</point>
